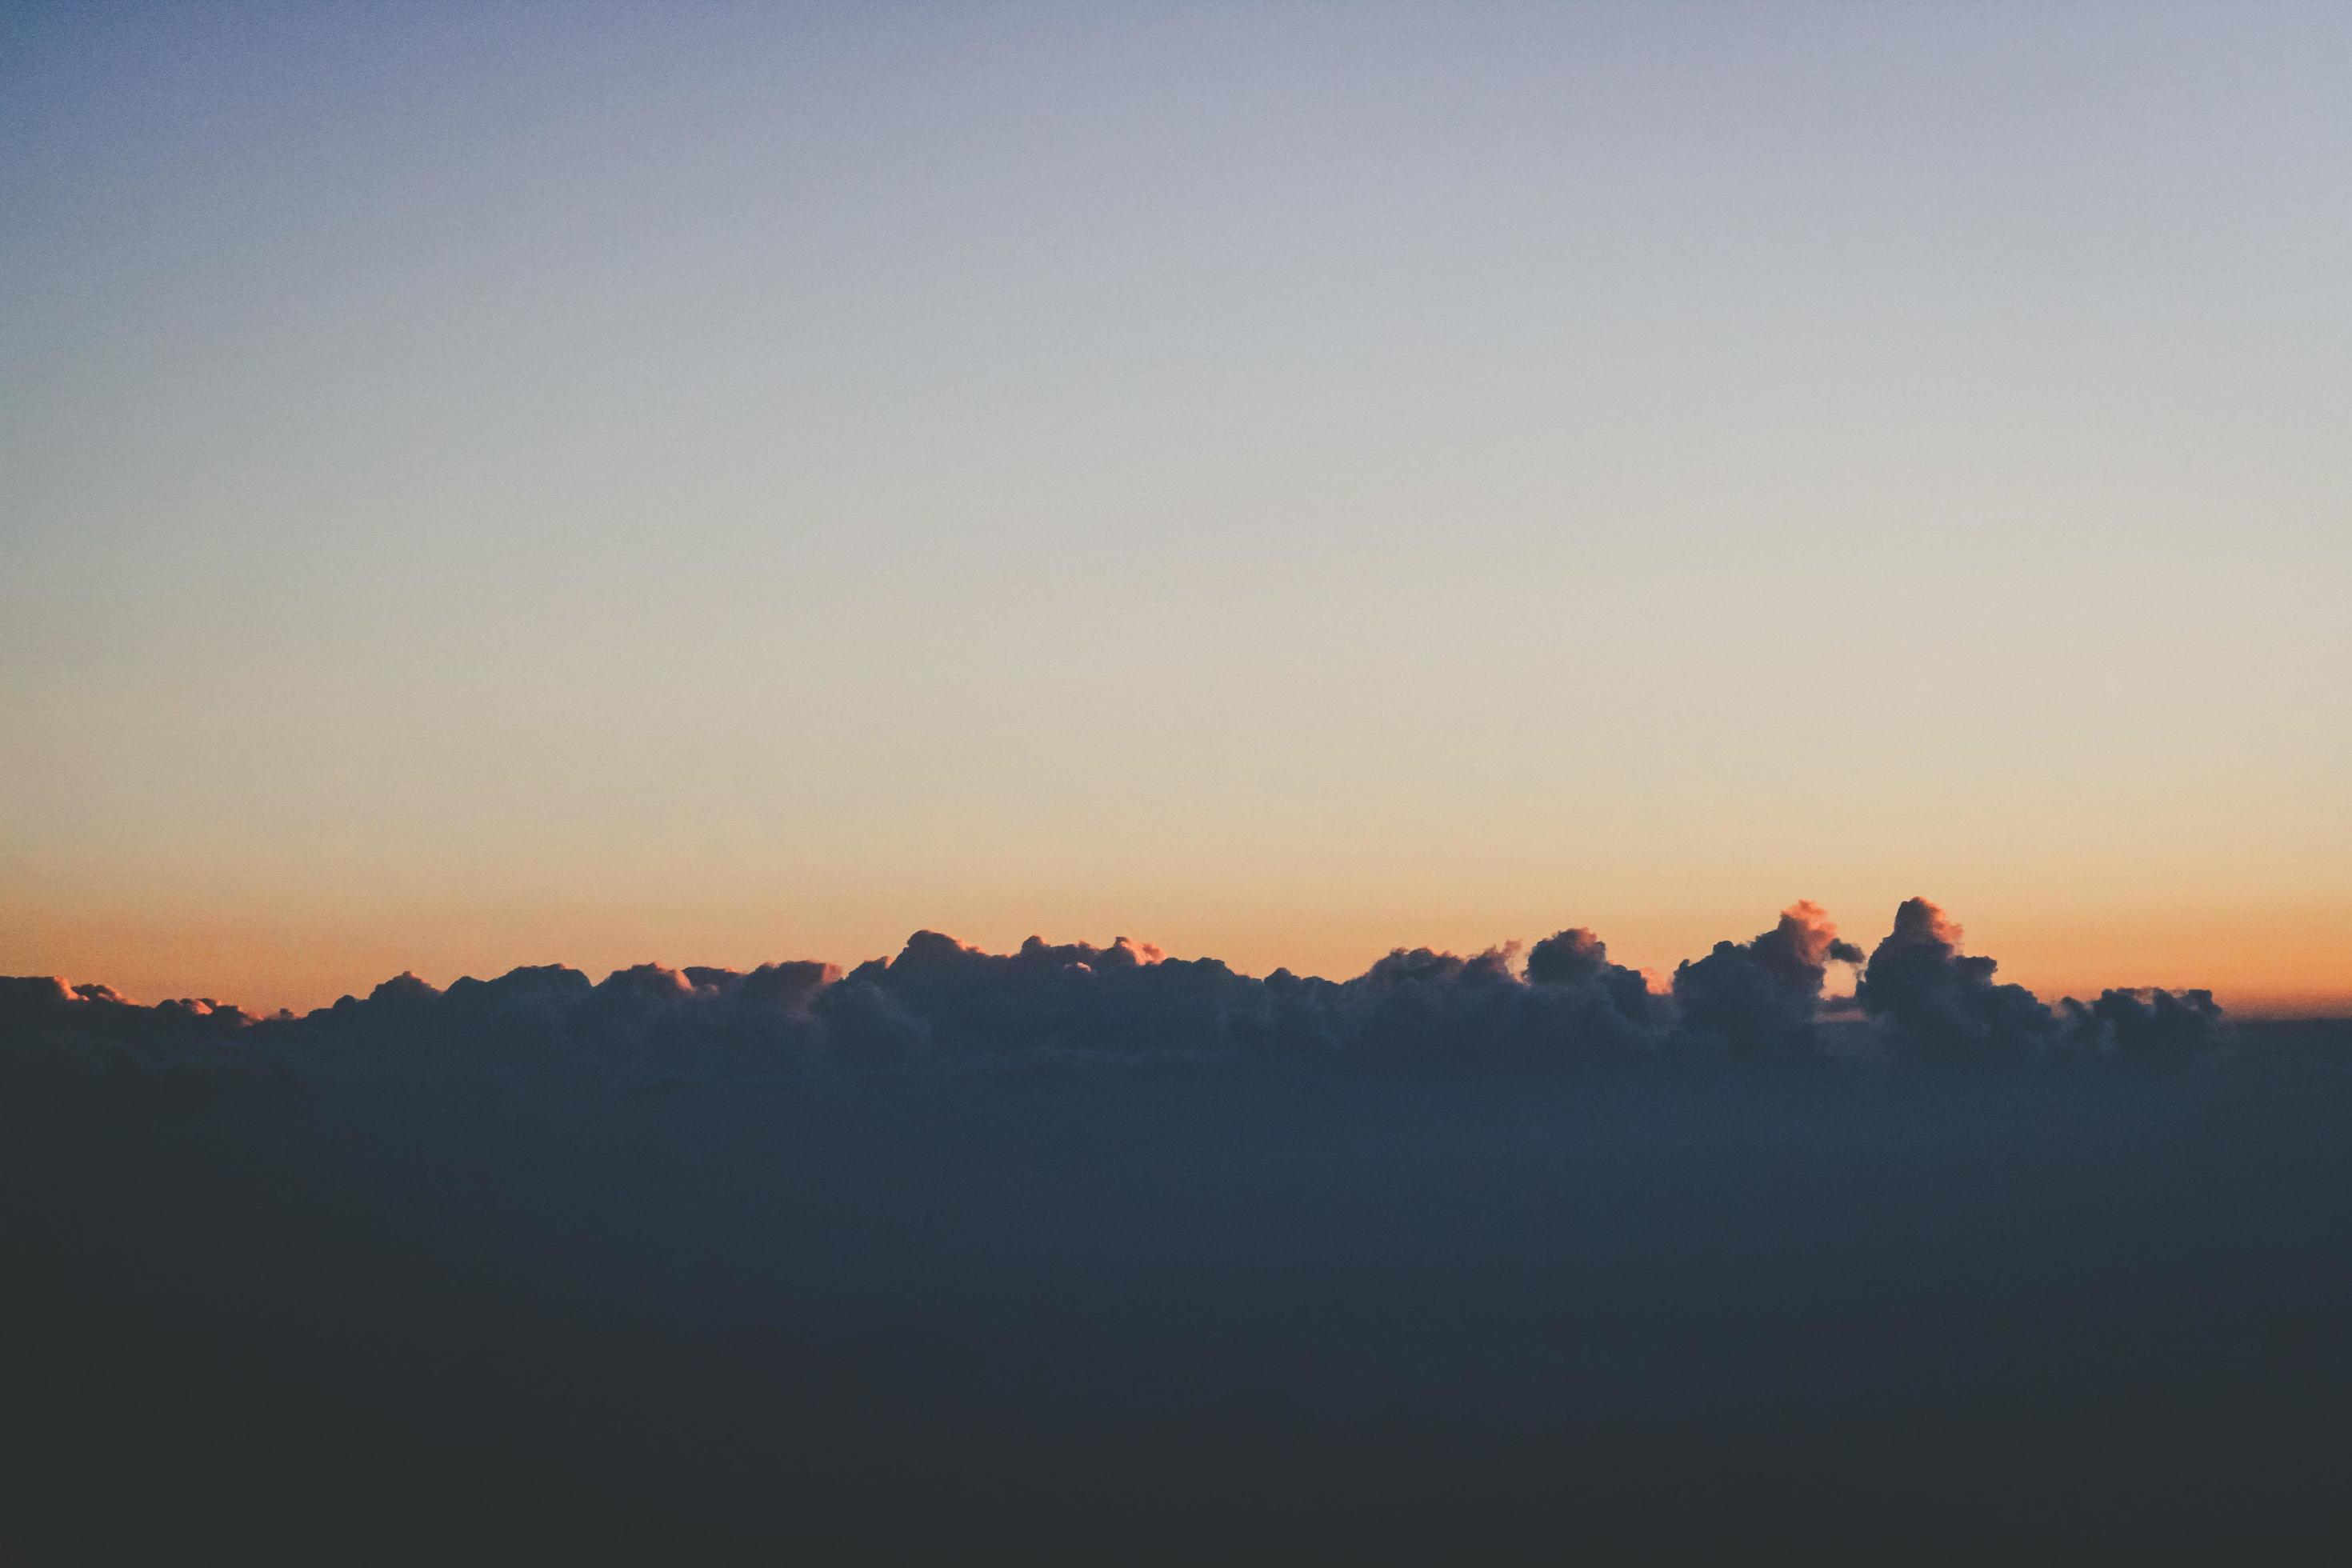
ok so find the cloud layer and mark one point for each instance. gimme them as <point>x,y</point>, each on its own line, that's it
<point>456,1275</point>
<point>941,1004</point>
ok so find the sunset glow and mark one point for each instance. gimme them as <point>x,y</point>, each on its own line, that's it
<point>479,492</point>
<point>867,783</point>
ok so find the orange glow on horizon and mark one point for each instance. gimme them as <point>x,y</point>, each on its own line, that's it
<point>2287,963</point>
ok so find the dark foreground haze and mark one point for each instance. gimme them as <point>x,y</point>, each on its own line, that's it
<point>1929,1275</point>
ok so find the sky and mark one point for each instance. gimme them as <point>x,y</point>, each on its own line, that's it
<point>489,486</point>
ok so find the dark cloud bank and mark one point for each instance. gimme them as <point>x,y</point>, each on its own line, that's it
<point>941,1004</point>
<point>1080,1254</point>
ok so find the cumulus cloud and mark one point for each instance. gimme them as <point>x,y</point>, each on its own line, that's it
<point>1762,997</point>
<point>88,1039</point>
<point>2148,1025</point>
<point>1920,985</point>
<point>1577,957</point>
<point>1570,1004</point>
<point>941,1002</point>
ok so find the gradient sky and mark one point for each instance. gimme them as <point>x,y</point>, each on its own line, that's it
<point>713,485</point>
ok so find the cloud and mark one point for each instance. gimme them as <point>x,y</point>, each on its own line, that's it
<point>1920,985</point>
<point>86,1040</point>
<point>1424,1003</point>
<point>2148,1025</point>
<point>940,1003</point>
<point>1576,957</point>
<point>1762,997</point>
<point>34,1007</point>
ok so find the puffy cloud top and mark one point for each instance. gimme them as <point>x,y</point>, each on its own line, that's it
<point>1921,984</point>
<point>939,1002</point>
<point>2146,1023</point>
<point>1762,997</point>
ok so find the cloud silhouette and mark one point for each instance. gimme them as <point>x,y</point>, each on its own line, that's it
<point>1577,957</point>
<point>1761,998</point>
<point>1920,984</point>
<point>86,1040</point>
<point>940,1003</point>
<point>2148,1025</point>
